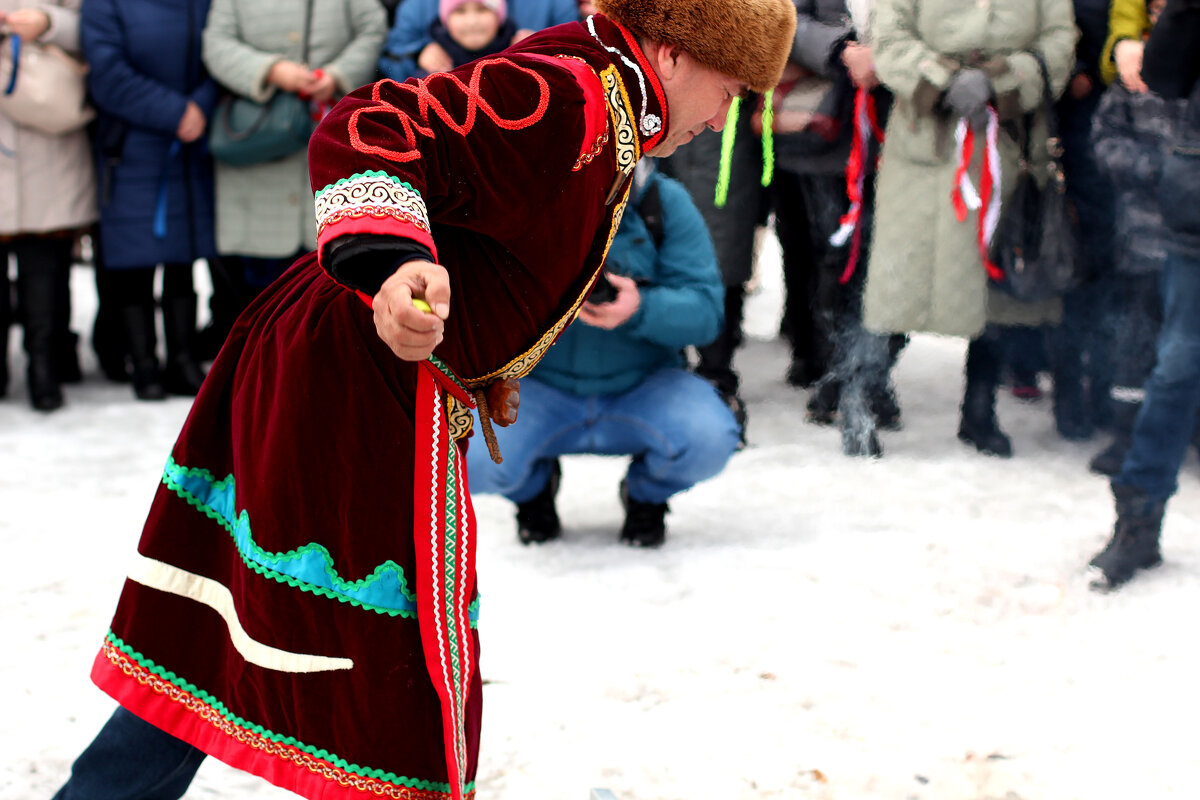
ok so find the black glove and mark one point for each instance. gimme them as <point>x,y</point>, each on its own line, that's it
<point>968,95</point>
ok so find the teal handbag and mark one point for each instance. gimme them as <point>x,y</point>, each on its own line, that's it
<point>244,132</point>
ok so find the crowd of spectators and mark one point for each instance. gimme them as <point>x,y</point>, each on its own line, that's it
<point>856,162</point>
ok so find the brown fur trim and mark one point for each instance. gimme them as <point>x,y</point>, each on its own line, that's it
<point>746,39</point>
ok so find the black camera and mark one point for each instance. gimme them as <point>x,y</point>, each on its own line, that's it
<point>603,291</point>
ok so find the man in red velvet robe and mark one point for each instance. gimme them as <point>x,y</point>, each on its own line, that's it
<point>303,601</point>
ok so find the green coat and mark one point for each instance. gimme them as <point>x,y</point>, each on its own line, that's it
<point>266,210</point>
<point>925,271</point>
<point>1127,19</point>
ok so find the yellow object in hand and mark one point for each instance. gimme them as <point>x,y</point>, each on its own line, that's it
<point>422,305</point>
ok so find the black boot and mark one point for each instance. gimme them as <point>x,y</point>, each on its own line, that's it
<point>183,374</point>
<point>140,340</point>
<point>1135,540</point>
<point>6,317</point>
<point>108,341</point>
<point>822,406</point>
<point>716,360</point>
<point>644,522</point>
<point>36,295</point>
<point>537,519</point>
<point>1109,460</point>
<point>978,425</point>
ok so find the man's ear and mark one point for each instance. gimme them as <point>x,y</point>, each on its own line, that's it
<point>666,59</point>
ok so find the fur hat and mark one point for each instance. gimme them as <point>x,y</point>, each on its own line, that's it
<point>445,7</point>
<point>746,39</point>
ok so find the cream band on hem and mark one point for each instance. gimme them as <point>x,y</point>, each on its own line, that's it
<point>173,580</point>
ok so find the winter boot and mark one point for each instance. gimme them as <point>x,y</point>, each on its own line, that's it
<point>1135,540</point>
<point>108,341</point>
<point>1109,460</point>
<point>644,522</point>
<point>978,425</point>
<point>140,339</point>
<point>36,294</point>
<point>716,359</point>
<point>537,519</point>
<point>183,374</point>
<point>6,317</point>
<point>822,406</point>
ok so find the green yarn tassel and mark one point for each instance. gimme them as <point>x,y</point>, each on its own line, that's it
<point>727,137</point>
<point>768,139</point>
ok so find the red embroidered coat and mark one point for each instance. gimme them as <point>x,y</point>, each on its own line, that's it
<point>303,601</point>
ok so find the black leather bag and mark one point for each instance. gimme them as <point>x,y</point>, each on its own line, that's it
<point>1037,243</point>
<point>244,132</point>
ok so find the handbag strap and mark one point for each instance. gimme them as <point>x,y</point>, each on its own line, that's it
<point>15,45</point>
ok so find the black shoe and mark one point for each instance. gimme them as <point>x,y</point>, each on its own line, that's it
<point>537,519</point>
<point>1135,540</point>
<point>45,392</point>
<point>66,358</point>
<point>979,427</point>
<point>182,375</point>
<point>1071,416</point>
<point>823,403</point>
<point>738,408</point>
<point>138,321</point>
<point>803,374</point>
<point>644,522</point>
<point>1109,460</point>
<point>886,409</point>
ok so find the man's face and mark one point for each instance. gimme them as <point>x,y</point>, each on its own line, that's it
<point>697,97</point>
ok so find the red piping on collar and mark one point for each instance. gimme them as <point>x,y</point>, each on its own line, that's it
<point>652,78</point>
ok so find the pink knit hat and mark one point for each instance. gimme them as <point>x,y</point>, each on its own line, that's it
<point>447,6</point>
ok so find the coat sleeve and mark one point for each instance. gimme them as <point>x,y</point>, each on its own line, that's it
<point>391,157</point>
<point>1056,42</point>
<point>233,63</point>
<point>1171,66</point>
<point>817,41</point>
<point>909,67</point>
<point>64,25</point>
<point>1127,19</point>
<point>355,65</point>
<point>408,36</point>
<point>685,304</point>
<point>116,87</point>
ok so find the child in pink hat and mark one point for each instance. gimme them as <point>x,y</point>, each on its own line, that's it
<point>471,29</point>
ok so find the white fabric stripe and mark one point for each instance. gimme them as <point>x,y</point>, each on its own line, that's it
<point>992,218</point>
<point>970,196</point>
<point>173,580</point>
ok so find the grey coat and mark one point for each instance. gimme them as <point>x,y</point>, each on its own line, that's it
<point>266,210</point>
<point>47,184</point>
<point>925,271</point>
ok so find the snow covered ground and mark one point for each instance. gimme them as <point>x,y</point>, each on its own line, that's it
<point>917,627</point>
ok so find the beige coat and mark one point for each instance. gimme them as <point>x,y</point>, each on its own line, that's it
<point>266,210</point>
<point>925,271</point>
<point>49,183</point>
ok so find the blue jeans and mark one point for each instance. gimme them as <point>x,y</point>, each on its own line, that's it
<point>1164,426</point>
<point>674,424</point>
<point>130,759</point>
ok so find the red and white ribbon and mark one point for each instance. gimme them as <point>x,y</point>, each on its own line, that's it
<point>866,126</point>
<point>987,199</point>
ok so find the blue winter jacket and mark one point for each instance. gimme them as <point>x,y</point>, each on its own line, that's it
<point>682,302</point>
<point>156,193</point>
<point>410,32</point>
